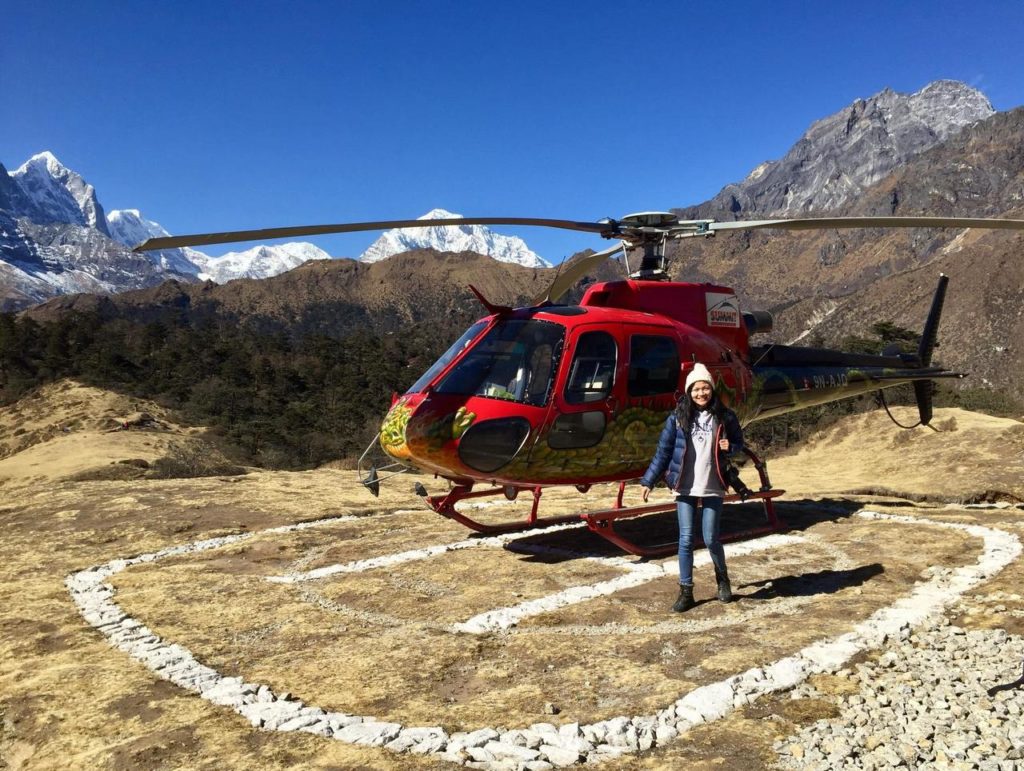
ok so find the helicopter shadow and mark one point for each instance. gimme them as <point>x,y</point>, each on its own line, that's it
<point>657,530</point>
<point>662,529</point>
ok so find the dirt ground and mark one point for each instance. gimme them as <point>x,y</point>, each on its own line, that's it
<point>385,642</point>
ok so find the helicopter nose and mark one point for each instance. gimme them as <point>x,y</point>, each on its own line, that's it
<point>446,437</point>
<point>393,431</point>
<point>491,444</point>
<point>422,431</point>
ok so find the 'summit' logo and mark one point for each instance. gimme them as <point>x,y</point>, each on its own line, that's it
<point>723,309</point>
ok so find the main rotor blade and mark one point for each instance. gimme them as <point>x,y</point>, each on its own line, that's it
<point>205,239</point>
<point>563,281</point>
<point>821,223</point>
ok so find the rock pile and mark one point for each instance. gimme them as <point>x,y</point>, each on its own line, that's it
<point>922,700</point>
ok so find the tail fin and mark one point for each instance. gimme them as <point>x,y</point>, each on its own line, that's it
<point>931,326</point>
<point>923,388</point>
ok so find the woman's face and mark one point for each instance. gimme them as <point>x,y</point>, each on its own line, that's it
<point>701,393</point>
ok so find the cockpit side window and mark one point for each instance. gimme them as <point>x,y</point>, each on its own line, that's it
<point>592,372</point>
<point>457,347</point>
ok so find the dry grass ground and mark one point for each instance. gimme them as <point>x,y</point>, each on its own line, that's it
<point>381,643</point>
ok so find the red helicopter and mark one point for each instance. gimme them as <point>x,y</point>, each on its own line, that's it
<point>555,394</point>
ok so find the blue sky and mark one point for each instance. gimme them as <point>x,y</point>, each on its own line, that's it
<point>214,116</point>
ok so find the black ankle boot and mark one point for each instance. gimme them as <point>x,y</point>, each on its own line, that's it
<point>685,600</point>
<point>724,588</point>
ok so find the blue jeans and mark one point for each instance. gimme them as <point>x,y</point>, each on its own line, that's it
<point>711,515</point>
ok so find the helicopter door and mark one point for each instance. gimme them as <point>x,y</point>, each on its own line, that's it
<point>580,410</point>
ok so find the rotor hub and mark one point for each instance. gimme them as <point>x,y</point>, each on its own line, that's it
<point>649,231</point>
<point>650,219</point>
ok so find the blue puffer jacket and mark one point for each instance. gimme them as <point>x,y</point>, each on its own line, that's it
<point>668,458</point>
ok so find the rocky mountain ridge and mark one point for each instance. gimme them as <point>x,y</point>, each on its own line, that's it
<point>824,285</point>
<point>840,156</point>
<point>53,194</point>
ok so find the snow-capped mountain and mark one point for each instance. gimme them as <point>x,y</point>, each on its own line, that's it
<point>452,238</point>
<point>53,193</point>
<point>258,262</point>
<point>129,227</point>
<point>56,239</point>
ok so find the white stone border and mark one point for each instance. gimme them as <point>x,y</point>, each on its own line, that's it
<point>413,555</point>
<point>544,742</point>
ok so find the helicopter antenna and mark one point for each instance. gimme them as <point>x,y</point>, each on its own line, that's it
<point>548,298</point>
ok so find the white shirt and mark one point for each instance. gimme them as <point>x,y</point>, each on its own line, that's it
<point>698,476</point>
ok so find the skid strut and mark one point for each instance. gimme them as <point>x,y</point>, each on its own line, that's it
<point>445,506</point>
<point>602,523</point>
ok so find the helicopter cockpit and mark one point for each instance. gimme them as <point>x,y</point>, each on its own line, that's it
<point>515,361</point>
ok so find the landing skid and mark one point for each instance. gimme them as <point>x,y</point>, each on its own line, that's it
<point>602,523</point>
<point>445,506</point>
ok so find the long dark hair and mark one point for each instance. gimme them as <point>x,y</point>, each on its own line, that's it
<point>687,409</point>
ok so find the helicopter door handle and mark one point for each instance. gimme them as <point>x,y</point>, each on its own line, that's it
<point>613,406</point>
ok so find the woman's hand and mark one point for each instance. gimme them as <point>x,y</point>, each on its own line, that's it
<point>647,492</point>
<point>723,445</point>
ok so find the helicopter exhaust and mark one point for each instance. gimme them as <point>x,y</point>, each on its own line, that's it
<point>758,321</point>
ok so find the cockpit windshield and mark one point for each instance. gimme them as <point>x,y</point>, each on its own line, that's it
<point>516,360</point>
<point>447,356</point>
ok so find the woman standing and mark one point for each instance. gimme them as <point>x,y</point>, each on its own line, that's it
<point>690,455</point>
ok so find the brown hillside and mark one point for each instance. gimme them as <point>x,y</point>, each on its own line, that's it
<point>70,431</point>
<point>833,283</point>
<point>337,296</point>
<point>971,457</point>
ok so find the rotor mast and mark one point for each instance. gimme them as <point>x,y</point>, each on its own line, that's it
<point>649,231</point>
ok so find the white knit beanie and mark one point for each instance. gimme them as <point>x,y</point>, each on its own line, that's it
<point>698,373</point>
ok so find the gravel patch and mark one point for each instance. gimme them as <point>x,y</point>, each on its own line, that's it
<point>930,698</point>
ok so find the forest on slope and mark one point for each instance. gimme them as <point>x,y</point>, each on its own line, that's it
<point>288,400</point>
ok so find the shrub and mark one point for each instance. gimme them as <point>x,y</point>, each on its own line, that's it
<point>189,459</point>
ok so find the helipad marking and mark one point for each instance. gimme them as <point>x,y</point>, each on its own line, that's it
<point>608,738</point>
<point>738,615</point>
<point>677,625</point>
<point>637,575</point>
<point>502,619</point>
<point>388,560</point>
